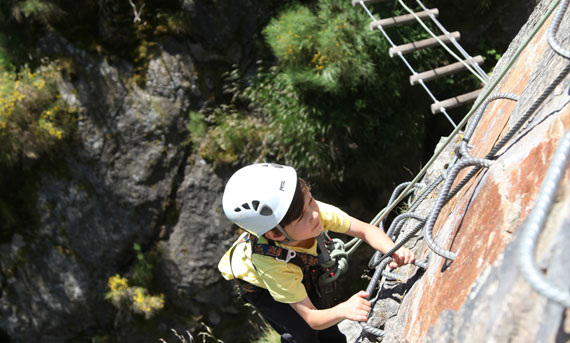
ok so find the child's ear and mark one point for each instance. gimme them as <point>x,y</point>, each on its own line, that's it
<point>274,236</point>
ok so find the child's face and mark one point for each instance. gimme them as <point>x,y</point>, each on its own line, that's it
<point>309,225</point>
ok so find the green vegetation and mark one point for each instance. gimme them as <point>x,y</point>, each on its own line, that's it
<point>33,117</point>
<point>34,124</point>
<point>134,295</point>
<point>207,335</point>
<point>133,298</point>
<point>334,105</point>
<point>143,268</point>
<point>44,12</point>
<point>196,126</point>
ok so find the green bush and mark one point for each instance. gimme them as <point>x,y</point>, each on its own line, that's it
<point>133,294</point>
<point>33,117</point>
<point>234,137</point>
<point>143,268</point>
<point>196,126</point>
<point>328,48</point>
<point>135,299</point>
<point>334,106</point>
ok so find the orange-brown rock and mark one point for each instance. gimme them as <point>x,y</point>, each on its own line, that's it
<point>481,296</point>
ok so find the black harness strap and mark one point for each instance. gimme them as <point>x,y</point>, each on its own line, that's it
<point>302,260</point>
<point>309,264</point>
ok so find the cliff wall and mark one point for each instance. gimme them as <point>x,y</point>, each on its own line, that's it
<point>130,178</point>
<point>481,295</point>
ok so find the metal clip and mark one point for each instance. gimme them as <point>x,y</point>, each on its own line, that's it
<point>290,255</point>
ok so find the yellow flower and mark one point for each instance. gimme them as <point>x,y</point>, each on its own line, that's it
<point>117,284</point>
<point>39,83</point>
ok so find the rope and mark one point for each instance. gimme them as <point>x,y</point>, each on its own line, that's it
<point>453,41</point>
<point>442,110</point>
<point>529,112</point>
<point>371,285</point>
<point>400,55</point>
<point>473,124</point>
<point>408,65</point>
<point>535,222</point>
<point>399,221</point>
<point>484,80</point>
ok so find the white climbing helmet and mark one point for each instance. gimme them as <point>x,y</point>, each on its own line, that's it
<point>258,196</point>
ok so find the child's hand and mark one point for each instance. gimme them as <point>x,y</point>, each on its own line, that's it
<point>356,308</point>
<point>402,256</point>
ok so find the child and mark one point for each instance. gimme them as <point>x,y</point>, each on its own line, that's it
<point>274,260</point>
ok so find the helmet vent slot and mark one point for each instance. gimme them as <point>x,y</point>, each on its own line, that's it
<point>266,211</point>
<point>255,204</point>
<point>246,206</point>
<point>237,209</point>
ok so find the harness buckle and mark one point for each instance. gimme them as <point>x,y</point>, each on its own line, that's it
<point>290,255</point>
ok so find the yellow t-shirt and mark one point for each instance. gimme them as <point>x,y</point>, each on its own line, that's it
<point>282,280</point>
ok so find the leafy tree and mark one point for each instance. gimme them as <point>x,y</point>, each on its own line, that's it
<point>334,105</point>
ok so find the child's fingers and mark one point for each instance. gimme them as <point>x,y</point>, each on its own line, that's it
<point>412,257</point>
<point>362,311</point>
<point>401,257</point>
<point>366,306</point>
<point>362,317</point>
<point>397,260</point>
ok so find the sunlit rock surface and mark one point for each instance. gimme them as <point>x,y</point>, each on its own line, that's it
<point>481,296</point>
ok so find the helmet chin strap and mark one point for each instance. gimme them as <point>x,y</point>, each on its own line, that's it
<point>282,230</point>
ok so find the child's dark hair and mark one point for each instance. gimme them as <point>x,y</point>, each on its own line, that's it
<point>297,206</point>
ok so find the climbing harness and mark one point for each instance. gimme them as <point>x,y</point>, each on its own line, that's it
<point>319,272</point>
<point>303,261</point>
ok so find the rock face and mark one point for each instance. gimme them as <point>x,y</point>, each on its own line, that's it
<point>130,179</point>
<point>482,296</point>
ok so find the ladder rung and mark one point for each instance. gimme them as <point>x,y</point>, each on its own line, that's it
<point>441,71</point>
<point>455,101</point>
<point>422,44</point>
<point>402,19</point>
<point>356,2</point>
